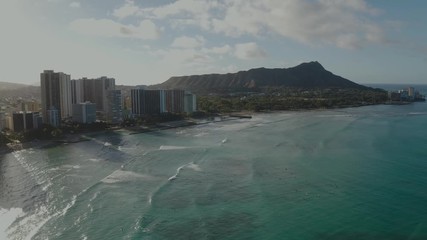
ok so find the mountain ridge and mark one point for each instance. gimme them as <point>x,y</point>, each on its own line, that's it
<point>25,91</point>
<point>309,75</point>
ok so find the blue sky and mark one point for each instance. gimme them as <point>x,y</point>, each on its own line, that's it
<point>148,41</point>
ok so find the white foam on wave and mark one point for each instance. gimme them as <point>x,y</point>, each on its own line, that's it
<point>107,144</point>
<point>123,176</point>
<point>163,147</point>
<point>45,187</point>
<point>7,217</point>
<point>194,167</point>
<point>190,165</point>
<point>94,196</point>
<point>43,215</point>
<point>69,205</point>
<point>30,224</point>
<point>334,115</point>
<point>178,170</point>
<point>201,134</point>
<point>181,132</point>
<point>150,198</point>
<point>94,159</point>
<point>41,179</point>
<point>417,113</point>
<point>237,126</point>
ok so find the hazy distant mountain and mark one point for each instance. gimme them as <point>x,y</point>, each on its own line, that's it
<point>306,75</point>
<point>19,90</point>
<point>11,86</point>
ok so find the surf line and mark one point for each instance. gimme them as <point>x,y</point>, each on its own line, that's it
<point>177,171</point>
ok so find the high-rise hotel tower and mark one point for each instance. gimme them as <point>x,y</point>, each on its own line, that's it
<point>55,94</point>
<point>100,91</point>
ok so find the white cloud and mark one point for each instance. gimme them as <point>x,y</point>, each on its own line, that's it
<point>219,50</point>
<point>183,8</point>
<point>188,42</point>
<point>75,4</point>
<point>249,51</point>
<point>182,56</point>
<point>310,22</point>
<point>109,28</point>
<point>127,10</point>
<point>343,23</point>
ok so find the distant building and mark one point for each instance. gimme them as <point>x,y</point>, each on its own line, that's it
<point>2,120</point>
<point>127,103</point>
<point>127,107</point>
<point>55,94</point>
<point>405,95</point>
<point>31,106</point>
<point>84,112</point>
<point>173,101</point>
<point>26,121</point>
<point>145,102</point>
<point>18,122</point>
<point>114,107</point>
<point>161,101</point>
<point>53,117</point>
<point>394,96</point>
<point>9,122</point>
<point>190,104</point>
<point>93,90</point>
<point>411,93</point>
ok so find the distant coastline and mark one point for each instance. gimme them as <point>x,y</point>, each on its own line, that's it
<point>73,138</point>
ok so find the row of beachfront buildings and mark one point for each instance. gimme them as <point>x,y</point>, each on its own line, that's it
<point>405,95</point>
<point>89,100</point>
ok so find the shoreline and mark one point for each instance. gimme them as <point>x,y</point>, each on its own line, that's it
<point>70,138</point>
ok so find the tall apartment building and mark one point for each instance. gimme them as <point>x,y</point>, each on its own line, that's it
<point>26,121</point>
<point>160,101</point>
<point>55,94</point>
<point>95,91</point>
<point>2,120</point>
<point>190,104</point>
<point>145,102</point>
<point>114,106</point>
<point>411,93</point>
<point>31,106</point>
<point>9,122</point>
<point>173,101</point>
<point>52,116</point>
<point>84,112</point>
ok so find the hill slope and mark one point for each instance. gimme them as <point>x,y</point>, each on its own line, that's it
<point>19,90</point>
<point>306,75</point>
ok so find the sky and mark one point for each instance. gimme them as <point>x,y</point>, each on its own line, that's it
<point>143,42</point>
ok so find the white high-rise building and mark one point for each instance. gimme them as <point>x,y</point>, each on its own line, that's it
<point>55,94</point>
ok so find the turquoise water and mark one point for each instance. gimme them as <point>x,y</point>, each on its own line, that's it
<point>356,173</point>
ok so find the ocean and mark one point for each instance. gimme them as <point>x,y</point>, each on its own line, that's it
<point>353,173</point>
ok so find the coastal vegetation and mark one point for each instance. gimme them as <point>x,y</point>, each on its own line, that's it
<point>291,99</point>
